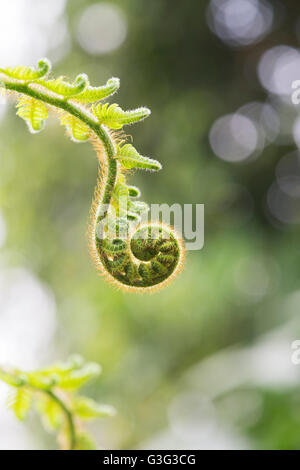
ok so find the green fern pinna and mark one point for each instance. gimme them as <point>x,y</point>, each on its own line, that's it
<point>129,251</point>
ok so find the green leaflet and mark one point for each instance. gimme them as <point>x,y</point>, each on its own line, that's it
<point>77,378</point>
<point>63,368</point>
<point>115,118</point>
<point>134,191</point>
<point>66,89</point>
<point>41,380</point>
<point>14,379</point>
<point>139,207</point>
<point>34,113</point>
<point>92,94</point>
<point>28,74</point>
<point>165,259</point>
<point>78,131</point>
<point>144,272</point>
<point>129,158</point>
<point>113,246</point>
<point>120,190</point>
<point>88,409</point>
<point>20,401</point>
<point>158,267</point>
<point>131,271</point>
<point>118,262</point>
<point>84,442</point>
<point>52,413</point>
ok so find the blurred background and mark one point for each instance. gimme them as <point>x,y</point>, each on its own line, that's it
<point>206,363</point>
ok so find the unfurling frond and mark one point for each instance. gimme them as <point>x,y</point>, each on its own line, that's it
<point>78,131</point>
<point>34,113</point>
<point>129,157</point>
<point>92,94</point>
<point>28,74</point>
<point>115,118</point>
<point>117,218</point>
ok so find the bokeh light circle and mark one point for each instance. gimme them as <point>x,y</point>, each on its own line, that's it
<point>102,28</point>
<point>233,137</point>
<point>240,22</point>
<point>278,68</point>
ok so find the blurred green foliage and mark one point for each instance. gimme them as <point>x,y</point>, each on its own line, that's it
<point>53,391</point>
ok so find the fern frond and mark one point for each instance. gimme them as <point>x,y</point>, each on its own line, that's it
<point>28,74</point>
<point>135,264</point>
<point>20,401</point>
<point>129,157</point>
<point>92,94</point>
<point>115,118</point>
<point>78,131</point>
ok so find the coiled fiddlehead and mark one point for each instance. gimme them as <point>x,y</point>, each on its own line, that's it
<point>133,254</point>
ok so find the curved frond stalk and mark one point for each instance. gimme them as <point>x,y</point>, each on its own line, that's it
<point>133,255</point>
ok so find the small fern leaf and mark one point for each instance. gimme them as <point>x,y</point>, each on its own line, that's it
<point>62,369</point>
<point>129,158</point>
<point>134,191</point>
<point>84,441</point>
<point>50,412</point>
<point>20,401</point>
<point>92,94</point>
<point>66,89</point>
<point>28,74</point>
<point>114,117</point>
<point>78,131</point>
<point>14,379</point>
<point>34,113</point>
<point>41,380</point>
<point>77,378</point>
<point>87,409</point>
<point>138,207</point>
<point>120,192</point>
